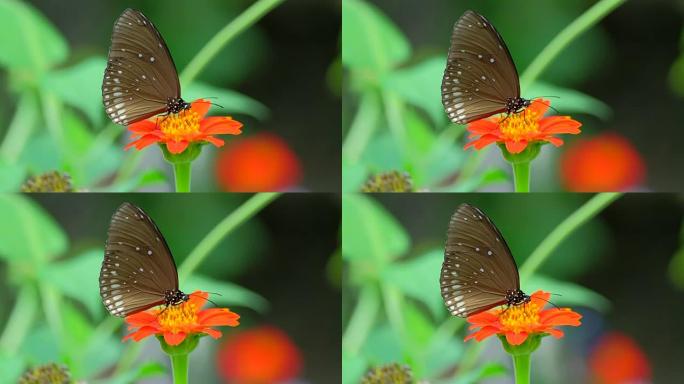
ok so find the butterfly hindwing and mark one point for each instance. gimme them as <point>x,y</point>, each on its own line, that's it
<point>138,268</point>
<point>480,75</point>
<point>478,268</point>
<point>140,77</point>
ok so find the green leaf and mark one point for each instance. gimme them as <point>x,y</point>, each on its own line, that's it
<point>442,353</point>
<point>486,178</point>
<point>420,85</point>
<point>40,346</point>
<point>418,278</point>
<point>382,346</point>
<point>79,86</point>
<point>230,294</point>
<point>64,273</point>
<point>570,101</point>
<point>151,369</point>
<point>570,294</point>
<point>370,232</point>
<point>676,76</point>
<point>144,179</point>
<point>370,40</point>
<point>12,366</point>
<point>11,176</point>
<point>353,175</point>
<point>41,154</point>
<point>353,368</point>
<point>486,371</point>
<point>27,233</point>
<point>28,40</point>
<point>232,102</point>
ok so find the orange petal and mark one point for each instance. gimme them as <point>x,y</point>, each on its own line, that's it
<point>174,338</point>
<point>216,141</point>
<point>554,140</point>
<point>176,147</point>
<point>482,142</point>
<point>220,125</point>
<point>142,142</point>
<point>218,316</point>
<point>201,106</point>
<point>557,316</point>
<point>559,124</point>
<point>482,126</point>
<point>142,127</point>
<point>483,318</point>
<point>212,332</point>
<point>516,146</point>
<point>482,334</point>
<point>141,319</point>
<point>540,298</point>
<point>539,106</point>
<point>557,333</point>
<point>198,298</point>
<point>140,334</point>
<point>516,338</point>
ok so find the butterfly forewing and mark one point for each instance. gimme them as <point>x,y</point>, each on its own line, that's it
<point>478,268</point>
<point>138,268</point>
<point>140,77</point>
<point>480,75</point>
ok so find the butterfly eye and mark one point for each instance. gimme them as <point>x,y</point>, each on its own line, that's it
<point>140,80</point>
<point>479,271</point>
<point>480,78</point>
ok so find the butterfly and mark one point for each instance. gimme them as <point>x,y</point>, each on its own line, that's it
<point>480,79</point>
<point>479,272</point>
<point>138,271</point>
<point>140,80</point>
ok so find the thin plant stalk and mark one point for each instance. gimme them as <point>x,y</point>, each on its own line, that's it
<point>20,319</point>
<point>521,176</point>
<point>179,367</point>
<point>522,366</point>
<point>20,128</point>
<point>362,127</point>
<point>362,319</point>
<point>182,175</point>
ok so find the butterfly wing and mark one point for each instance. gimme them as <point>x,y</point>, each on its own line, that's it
<point>478,267</point>
<point>140,76</point>
<point>138,267</point>
<point>480,75</point>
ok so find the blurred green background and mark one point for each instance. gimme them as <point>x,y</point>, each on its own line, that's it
<point>623,271</point>
<point>613,78</point>
<point>277,270</point>
<point>277,77</point>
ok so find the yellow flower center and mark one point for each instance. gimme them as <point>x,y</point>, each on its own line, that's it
<point>517,126</point>
<point>520,317</point>
<point>178,317</point>
<point>180,125</point>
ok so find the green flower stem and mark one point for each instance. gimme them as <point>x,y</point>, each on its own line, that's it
<point>179,367</point>
<point>362,319</point>
<point>20,128</point>
<point>51,305</point>
<point>522,365</point>
<point>245,20</point>
<point>393,301</point>
<point>53,119</point>
<point>580,25</point>
<point>20,319</point>
<point>582,215</point>
<point>181,172</point>
<point>521,176</point>
<point>395,120</point>
<point>243,213</point>
<point>362,127</point>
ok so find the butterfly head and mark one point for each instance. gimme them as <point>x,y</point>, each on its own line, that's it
<point>175,297</point>
<point>516,297</point>
<point>176,104</point>
<point>516,104</point>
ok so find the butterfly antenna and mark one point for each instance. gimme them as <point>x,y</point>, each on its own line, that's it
<point>213,97</point>
<point>557,307</point>
<point>549,104</point>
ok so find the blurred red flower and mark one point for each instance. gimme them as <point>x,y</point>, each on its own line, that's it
<point>262,162</point>
<point>607,162</point>
<point>259,356</point>
<point>617,359</point>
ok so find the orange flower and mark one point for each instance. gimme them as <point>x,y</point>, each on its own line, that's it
<point>618,359</point>
<point>519,321</point>
<point>177,131</point>
<point>178,321</point>
<point>518,129</point>
<point>607,162</point>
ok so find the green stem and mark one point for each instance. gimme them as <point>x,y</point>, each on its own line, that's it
<point>394,114</point>
<point>362,128</point>
<point>20,320</point>
<point>53,119</point>
<point>51,305</point>
<point>243,213</point>
<point>362,319</point>
<point>245,20</point>
<point>393,304</point>
<point>521,176</point>
<point>580,25</point>
<point>179,367</point>
<point>522,365</point>
<point>181,172</point>
<point>583,214</point>
<point>20,128</point>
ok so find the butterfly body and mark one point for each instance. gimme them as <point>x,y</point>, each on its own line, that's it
<point>138,271</point>
<point>480,79</point>
<point>140,80</point>
<point>479,272</point>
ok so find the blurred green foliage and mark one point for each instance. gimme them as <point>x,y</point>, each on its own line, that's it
<point>58,121</point>
<point>58,316</point>
<point>393,117</point>
<point>392,308</point>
